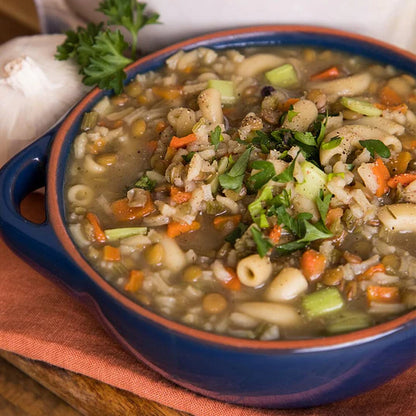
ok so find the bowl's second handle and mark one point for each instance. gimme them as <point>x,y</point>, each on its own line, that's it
<point>24,173</point>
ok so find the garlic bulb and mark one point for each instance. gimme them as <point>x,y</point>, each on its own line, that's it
<point>36,90</point>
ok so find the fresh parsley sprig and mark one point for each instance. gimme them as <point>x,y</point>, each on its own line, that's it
<point>376,146</point>
<point>102,54</point>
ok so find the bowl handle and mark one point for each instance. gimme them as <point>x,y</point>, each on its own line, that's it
<point>20,176</point>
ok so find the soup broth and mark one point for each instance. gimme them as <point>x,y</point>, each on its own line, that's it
<point>262,193</point>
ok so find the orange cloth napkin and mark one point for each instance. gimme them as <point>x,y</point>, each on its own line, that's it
<point>40,321</point>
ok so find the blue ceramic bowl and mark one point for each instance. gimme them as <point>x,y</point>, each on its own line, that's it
<point>256,373</point>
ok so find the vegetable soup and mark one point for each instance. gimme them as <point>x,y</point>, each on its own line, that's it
<point>264,193</point>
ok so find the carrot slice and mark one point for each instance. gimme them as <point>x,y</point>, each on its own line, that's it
<point>382,175</point>
<point>176,228</point>
<point>332,215</point>
<point>289,102</point>
<point>234,282</point>
<point>152,145</point>
<point>135,281</point>
<point>167,93</point>
<point>220,221</point>
<point>182,141</point>
<point>160,126</point>
<point>388,96</point>
<point>178,196</point>
<point>329,73</point>
<point>403,179</point>
<point>312,264</point>
<point>275,234</point>
<point>123,212</point>
<point>99,234</point>
<point>371,271</point>
<point>111,253</point>
<point>383,294</point>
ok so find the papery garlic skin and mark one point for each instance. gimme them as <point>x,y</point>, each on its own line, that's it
<point>36,90</point>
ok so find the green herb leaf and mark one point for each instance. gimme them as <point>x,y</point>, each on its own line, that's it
<point>290,247</point>
<point>188,157</point>
<point>287,174</point>
<point>376,146</point>
<point>235,234</point>
<point>305,137</point>
<point>322,130</point>
<point>256,209</point>
<point>216,137</point>
<point>106,61</point>
<point>282,199</point>
<point>330,176</point>
<point>291,114</point>
<point>145,183</point>
<point>262,243</point>
<point>334,142</point>
<point>322,203</point>
<point>100,52</point>
<point>130,14</point>
<point>259,179</point>
<point>314,232</point>
<point>234,178</point>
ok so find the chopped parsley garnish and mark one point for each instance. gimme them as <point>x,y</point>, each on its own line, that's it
<point>263,244</point>
<point>376,146</point>
<point>188,157</point>
<point>287,174</point>
<point>216,137</point>
<point>259,179</point>
<point>235,234</point>
<point>291,114</point>
<point>145,183</point>
<point>233,179</point>
<point>332,144</point>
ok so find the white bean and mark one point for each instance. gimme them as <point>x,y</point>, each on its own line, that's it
<point>306,114</point>
<point>398,217</point>
<point>174,258</point>
<point>80,144</point>
<point>287,285</point>
<point>275,313</point>
<point>260,62</point>
<point>209,102</point>
<point>254,270</point>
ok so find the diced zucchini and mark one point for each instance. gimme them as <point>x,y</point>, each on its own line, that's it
<point>119,233</point>
<point>314,181</point>
<point>322,302</point>
<point>226,88</point>
<point>283,76</point>
<point>360,106</point>
<point>348,321</point>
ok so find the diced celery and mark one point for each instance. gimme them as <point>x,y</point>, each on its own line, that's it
<point>314,181</point>
<point>226,88</point>
<point>89,121</point>
<point>322,302</point>
<point>360,106</point>
<point>348,321</point>
<point>283,76</point>
<point>119,233</point>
